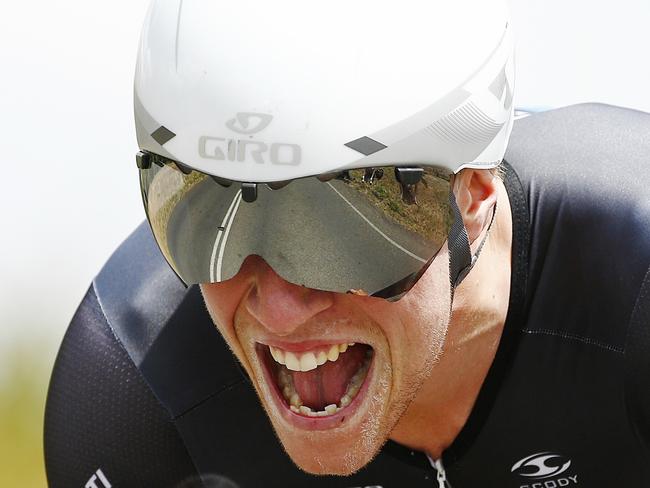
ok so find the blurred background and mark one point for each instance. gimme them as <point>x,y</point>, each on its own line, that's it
<point>70,195</point>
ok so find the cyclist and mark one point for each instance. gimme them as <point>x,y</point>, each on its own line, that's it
<point>275,324</point>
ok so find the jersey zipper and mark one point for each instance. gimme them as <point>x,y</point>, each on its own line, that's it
<point>441,475</point>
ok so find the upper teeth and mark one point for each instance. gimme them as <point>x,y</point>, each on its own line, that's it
<point>288,389</point>
<point>306,361</point>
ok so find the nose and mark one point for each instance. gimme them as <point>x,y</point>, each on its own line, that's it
<point>280,306</point>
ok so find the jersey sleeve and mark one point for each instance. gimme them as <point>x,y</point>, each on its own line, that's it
<point>103,425</point>
<point>637,354</point>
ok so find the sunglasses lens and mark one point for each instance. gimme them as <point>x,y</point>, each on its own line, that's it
<point>372,229</point>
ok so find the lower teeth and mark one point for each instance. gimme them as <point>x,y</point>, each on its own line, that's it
<point>295,403</point>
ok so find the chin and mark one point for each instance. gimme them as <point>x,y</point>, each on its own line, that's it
<point>341,440</point>
<point>337,452</point>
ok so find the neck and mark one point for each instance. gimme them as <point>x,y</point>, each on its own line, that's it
<point>445,401</point>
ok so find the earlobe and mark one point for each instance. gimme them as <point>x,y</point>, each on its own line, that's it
<point>476,194</point>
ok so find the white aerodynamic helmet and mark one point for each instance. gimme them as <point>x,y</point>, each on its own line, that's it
<point>263,91</point>
<point>265,126</point>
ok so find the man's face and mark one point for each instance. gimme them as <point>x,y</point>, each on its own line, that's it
<point>356,393</point>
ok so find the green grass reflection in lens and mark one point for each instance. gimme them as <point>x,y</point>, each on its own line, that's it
<point>429,217</point>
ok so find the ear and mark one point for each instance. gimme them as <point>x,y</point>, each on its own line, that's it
<point>476,194</point>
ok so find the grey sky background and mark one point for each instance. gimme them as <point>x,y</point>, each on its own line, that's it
<point>69,192</point>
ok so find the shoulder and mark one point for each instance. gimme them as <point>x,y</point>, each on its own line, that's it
<point>582,137</point>
<point>585,176</point>
<point>163,326</point>
<point>583,180</point>
<point>140,351</point>
<point>101,416</point>
<point>586,161</point>
<point>590,160</point>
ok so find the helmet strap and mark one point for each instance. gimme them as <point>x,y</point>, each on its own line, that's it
<point>461,260</point>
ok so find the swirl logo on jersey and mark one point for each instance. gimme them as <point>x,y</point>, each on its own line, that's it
<point>543,469</point>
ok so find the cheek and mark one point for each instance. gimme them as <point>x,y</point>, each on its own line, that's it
<point>416,324</point>
<point>222,300</point>
<point>424,314</point>
<point>429,301</point>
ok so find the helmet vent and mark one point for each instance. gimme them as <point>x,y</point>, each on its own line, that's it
<point>507,104</point>
<point>365,145</point>
<point>466,125</point>
<point>499,84</point>
<point>162,135</point>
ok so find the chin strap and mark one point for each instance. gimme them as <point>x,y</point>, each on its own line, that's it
<point>461,260</point>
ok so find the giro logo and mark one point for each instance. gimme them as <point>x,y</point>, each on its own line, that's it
<point>249,122</point>
<point>247,150</point>
<point>541,467</point>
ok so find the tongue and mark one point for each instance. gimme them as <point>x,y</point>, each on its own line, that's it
<point>326,384</point>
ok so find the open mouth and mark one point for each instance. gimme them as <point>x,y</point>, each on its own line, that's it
<point>318,383</point>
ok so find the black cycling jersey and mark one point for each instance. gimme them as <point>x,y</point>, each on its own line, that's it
<point>145,393</point>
